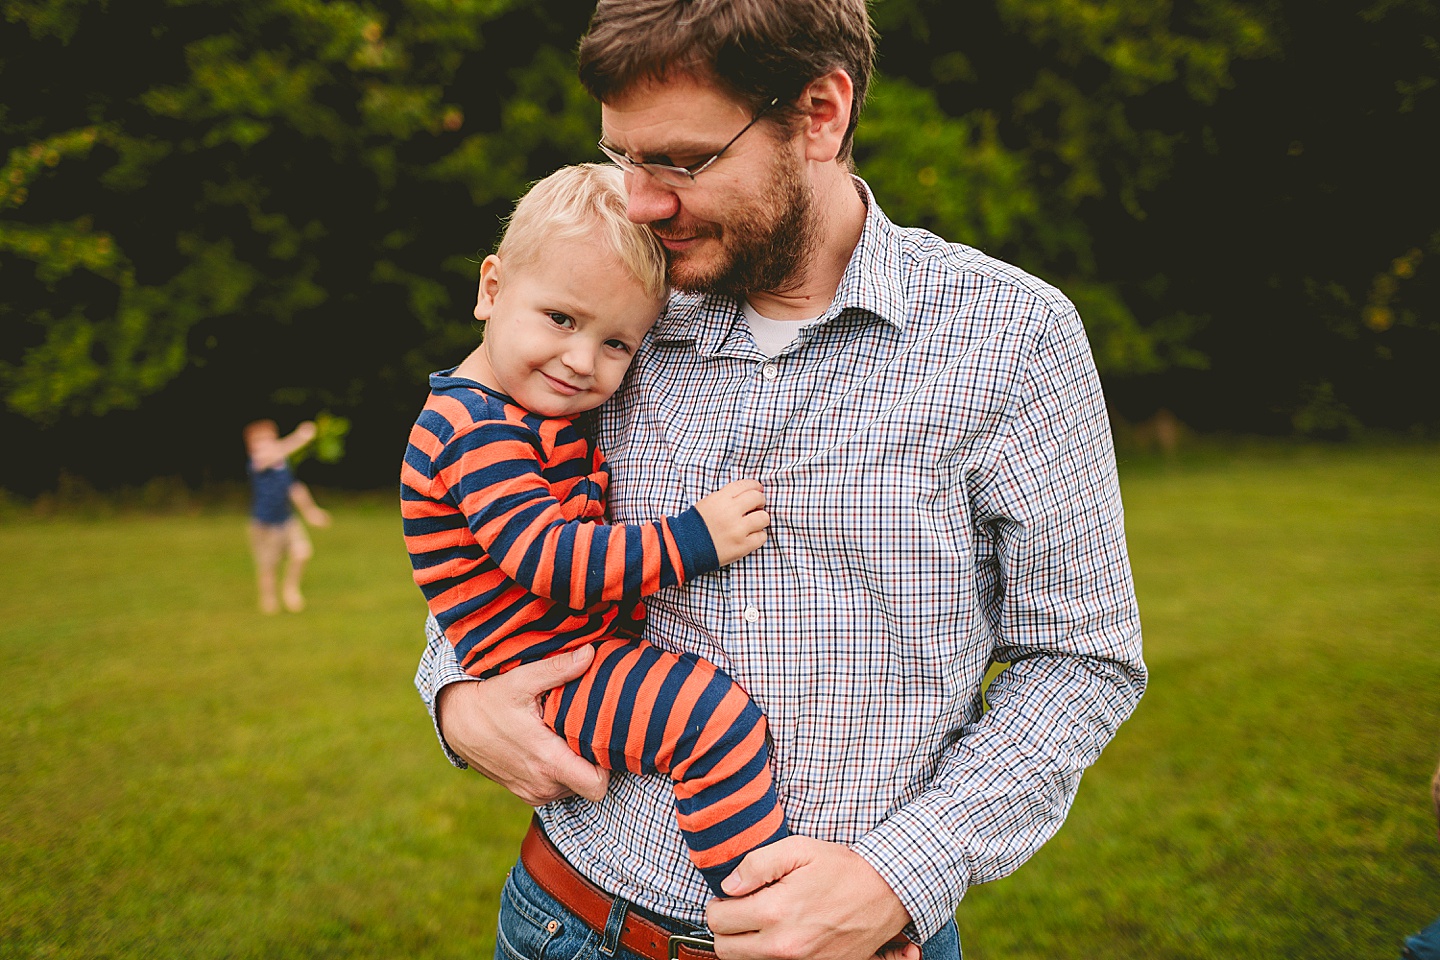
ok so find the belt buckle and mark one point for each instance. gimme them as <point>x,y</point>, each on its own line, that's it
<point>693,941</point>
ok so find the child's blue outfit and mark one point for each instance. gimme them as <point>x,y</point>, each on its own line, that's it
<point>270,494</point>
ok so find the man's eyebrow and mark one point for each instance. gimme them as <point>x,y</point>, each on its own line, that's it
<point>675,148</point>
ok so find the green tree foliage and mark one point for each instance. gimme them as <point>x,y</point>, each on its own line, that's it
<point>1010,131</point>
<point>185,176</point>
<point>252,161</point>
<point>1304,224</point>
<point>1237,193</point>
<point>273,207</point>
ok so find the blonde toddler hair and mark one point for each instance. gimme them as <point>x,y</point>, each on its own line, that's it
<point>584,201</point>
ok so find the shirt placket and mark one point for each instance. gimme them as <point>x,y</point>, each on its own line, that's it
<point>750,592</point>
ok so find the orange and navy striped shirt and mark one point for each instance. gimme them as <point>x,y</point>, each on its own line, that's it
<point>503,514</point>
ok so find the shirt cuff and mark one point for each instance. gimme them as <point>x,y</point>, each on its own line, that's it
<point>923,867</point>
<point>438,669</point>
<point>697,546</point>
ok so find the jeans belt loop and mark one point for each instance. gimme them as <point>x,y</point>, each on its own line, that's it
<point>614,926</point>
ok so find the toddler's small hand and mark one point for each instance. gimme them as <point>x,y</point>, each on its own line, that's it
<point>736,517</point>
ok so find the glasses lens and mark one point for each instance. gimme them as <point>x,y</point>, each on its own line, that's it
<point>619,159</point>
<point>670,176</point>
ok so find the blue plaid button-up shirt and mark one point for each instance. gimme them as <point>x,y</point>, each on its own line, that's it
<point>937,460</point>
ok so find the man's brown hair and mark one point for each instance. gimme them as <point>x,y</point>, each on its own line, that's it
<point>755,50</point>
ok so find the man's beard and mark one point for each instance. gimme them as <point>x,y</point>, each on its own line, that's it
<point>765,247</point>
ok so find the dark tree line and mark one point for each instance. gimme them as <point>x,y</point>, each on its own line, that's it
<point>213,210</point>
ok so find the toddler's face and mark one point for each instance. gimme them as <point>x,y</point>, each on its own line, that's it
<point>260,437</point>
<point>560,332</point>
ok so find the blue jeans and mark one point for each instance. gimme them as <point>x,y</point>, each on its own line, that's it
<point>535,926</point>
<point>1424,945</point>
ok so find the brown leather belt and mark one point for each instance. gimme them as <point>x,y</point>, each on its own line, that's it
<point>638,934</point>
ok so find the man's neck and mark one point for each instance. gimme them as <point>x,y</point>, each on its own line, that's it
<point>839,220</point>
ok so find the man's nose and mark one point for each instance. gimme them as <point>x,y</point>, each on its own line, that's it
<point>647,199</point>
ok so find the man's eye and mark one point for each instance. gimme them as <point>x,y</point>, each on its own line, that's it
<point>562,320</point>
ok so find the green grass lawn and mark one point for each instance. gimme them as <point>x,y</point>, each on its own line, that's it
<point>181,776</point>
<point>1270,797</point>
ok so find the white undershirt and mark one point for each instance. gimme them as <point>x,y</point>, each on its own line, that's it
<point>773,336</point>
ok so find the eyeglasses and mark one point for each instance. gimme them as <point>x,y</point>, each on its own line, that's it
<point>671,175</point>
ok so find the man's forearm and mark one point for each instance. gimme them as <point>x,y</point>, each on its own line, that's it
<point>1006,785</point>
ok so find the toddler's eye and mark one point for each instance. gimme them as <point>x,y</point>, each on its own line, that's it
<point>618,345</point>
<point>562,320</point>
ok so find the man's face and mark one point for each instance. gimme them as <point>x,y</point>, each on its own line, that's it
<point>745,224</point>
<point>560,333</point>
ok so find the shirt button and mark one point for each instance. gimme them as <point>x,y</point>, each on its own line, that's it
<point>751,614</point>
<point>769,371</point>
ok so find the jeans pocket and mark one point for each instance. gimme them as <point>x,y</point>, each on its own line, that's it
<point>532,927</point>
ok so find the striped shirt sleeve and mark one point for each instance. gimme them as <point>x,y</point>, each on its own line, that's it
<point>494,472</point>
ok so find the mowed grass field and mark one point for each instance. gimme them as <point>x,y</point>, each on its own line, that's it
<point>181,776</point>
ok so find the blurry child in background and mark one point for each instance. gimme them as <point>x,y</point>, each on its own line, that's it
<point>1425,945</point>
<point>275,534</point>
<point>503,500</point>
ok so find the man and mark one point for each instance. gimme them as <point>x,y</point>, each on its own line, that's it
<point>935,453</point>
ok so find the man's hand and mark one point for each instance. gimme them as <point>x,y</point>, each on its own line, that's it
<point>496,727</point>
<point>804,898</point>
<point>736,518</point>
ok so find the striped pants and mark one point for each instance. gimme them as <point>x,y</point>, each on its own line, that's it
<point>642,709</point>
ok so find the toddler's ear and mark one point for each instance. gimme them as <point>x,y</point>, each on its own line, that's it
<point>489,287</point>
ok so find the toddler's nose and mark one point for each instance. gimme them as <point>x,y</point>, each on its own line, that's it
<point>581,360</point>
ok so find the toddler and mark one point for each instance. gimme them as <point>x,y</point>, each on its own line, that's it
<point>503,500</point>
<point>275,534</point>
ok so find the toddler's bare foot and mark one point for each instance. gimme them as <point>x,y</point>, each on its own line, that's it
<point>269,604</point>
<point>294,601</point>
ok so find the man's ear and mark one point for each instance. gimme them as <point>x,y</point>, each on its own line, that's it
<point>827,103</point>
<point>489,287</point>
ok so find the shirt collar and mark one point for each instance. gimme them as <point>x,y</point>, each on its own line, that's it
<point>872,286</point>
